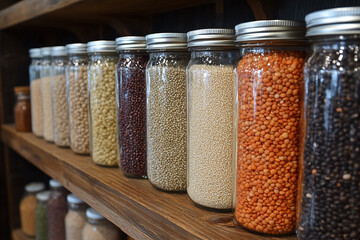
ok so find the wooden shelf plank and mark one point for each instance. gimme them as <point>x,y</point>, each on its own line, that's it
<point>58,10</point>
<point>18,234</point>
<point>132,204</point>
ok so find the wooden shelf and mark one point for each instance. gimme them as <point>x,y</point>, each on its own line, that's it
<point>132,204</point>
<point>44,11</point>
<point>18,234</point>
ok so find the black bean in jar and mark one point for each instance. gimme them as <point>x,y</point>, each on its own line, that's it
<point>131,91</point>
<point>330,205</point>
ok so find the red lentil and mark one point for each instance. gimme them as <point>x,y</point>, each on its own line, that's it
<point>268,144</point>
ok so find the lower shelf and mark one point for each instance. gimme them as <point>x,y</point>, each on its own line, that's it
<point>133,205</point>
<point>18,234</point>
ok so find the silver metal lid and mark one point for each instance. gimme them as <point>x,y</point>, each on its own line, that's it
<point>76,48</point>
<point>130,43</point>
<point>270,30</point>
<point>58,51</point>
<point>43,196</point>
<point>35,52</point>
<point>93,214</point>
<point>158,41</point>
<point>334,21</point>
<point>46,51</point>
<point>101,46</point>
<point>34,187</point>
<point>217,37</point>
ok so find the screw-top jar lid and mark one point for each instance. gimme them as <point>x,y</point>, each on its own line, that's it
<point>34,187</point>
<point>130,43</point>
<point>46,51</point>
<point>270,30</point>
<point>333,21</point>
<point>101,46</point>
<point>35,52</point>
<point>217,37</point>
<point>58,51</point>
<point>22,90</point>
<point>93,214</point>
<point>54,183</point>
<point>43,196</point>
<point>72,198</point>
<point>158,41</point>
<point>76,48</point>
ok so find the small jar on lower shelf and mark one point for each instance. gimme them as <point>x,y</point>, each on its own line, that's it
<point>56,211</point>
<point>75,218</point>
<point>27,207</point>
<point>41,230</point>
<point>98,228</point>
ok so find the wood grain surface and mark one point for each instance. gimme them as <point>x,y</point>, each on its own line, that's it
<point>18,234</point>
<point>132,204</point>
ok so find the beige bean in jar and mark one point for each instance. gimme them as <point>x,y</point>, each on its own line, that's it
<point>103,125</point>
<point>98,228</point>
<point>210,129</point>
<point>60,111</point>
<point>75,218</point>
<point>36,107</point>
<point>166,127</point>
<point>46,109</point>
<point>77,82</point>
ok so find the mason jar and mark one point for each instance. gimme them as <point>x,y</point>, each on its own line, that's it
<point>166,110</point>
<point>102,102</point>
<point>210,78</point>
<point>267,115</point>
<point>41,230</point>
<point>35,92</point>
<point>77,97</point>
<point>56,211</point>
<point>131,105</point>
<point>27,207</point>
<point>45,71</point>
<point>329,197</point>
<point>97,227</point>
<point>75,218</point>
<point>58,96</point>
<point>22,109</point>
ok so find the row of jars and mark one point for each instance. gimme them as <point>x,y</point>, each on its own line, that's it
<point>182,120</point>
<point>57,215</point>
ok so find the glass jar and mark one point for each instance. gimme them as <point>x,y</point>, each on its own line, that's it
<point>75,218</point>
<point>58,96</point>
<point>210,76</point>
<point>28,206</point>
<point>22,110</point>
<point>35,92</point>
<point>329,197</point>
<point>77,97</point>
<point>166,110</point>
<point>131,104</point>
<point>98,228</point>
<point>56,211</point>
<point>45,71</point>
<point>102,102</point>
<point>269,80</point>
<point>41,230</point>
